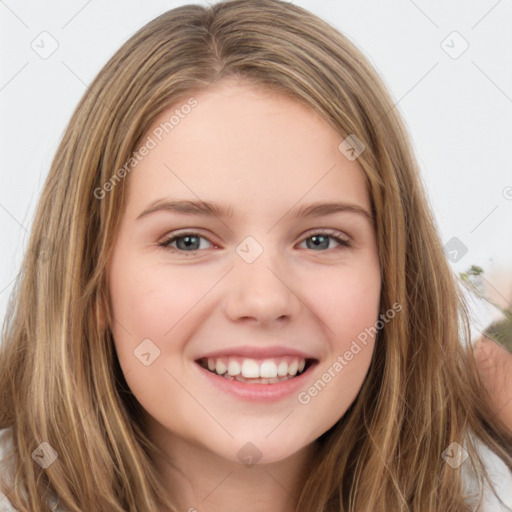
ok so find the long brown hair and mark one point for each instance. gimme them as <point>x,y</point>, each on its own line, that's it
<point>60,380</point>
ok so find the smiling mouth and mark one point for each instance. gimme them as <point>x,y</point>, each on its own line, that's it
<point>252,372</point>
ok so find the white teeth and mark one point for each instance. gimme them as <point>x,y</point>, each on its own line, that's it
<point>250,369</point>
<point>282,369</point>
<point>233,368</point>
<point>268,369</point>
<point>253,369</point>
<point>220,367</point>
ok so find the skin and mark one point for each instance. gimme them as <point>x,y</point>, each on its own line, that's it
<point>494,365</point>
<point>262,154</point>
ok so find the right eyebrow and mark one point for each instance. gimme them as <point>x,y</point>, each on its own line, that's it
<point>204,208</point>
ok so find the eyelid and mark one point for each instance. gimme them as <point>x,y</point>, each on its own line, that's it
<point>327,231</point>
<point>181,233</point>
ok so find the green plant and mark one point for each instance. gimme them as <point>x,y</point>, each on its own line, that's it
<point>499,330</point>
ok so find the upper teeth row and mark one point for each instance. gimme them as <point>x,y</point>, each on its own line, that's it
<point>250,368</point>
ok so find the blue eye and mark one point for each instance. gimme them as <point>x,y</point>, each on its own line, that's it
<point>190,241</point>
<point>186,242</point>
<point>321,240</point>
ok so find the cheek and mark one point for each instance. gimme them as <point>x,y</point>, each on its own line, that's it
<point>349,301</point>
<point>149,301</point>
<point>348,304</point>
<point>153,303</point>
<point>351,313</point>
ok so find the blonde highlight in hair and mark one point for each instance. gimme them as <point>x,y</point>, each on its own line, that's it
<point>60,380</point>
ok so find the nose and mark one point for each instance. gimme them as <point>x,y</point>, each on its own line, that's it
<point>261,292</point>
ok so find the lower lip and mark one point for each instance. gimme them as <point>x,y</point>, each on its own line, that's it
<point>258,392</point>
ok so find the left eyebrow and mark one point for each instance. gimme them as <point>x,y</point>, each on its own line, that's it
<point>209,209</point>
<point>321,209</point>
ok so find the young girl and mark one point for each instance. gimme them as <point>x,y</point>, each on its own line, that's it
<point>234,295</point>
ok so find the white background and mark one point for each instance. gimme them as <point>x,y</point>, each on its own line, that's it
<point>458,110</point>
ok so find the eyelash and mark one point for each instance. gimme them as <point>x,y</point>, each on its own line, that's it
<point>343,243</point>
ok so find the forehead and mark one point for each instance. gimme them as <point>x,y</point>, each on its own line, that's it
<point>246,146</point>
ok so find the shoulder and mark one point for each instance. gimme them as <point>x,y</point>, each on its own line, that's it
<point>6,472</point>
<point>500,476</point>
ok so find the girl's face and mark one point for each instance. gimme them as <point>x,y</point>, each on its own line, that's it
<point>257,279</point>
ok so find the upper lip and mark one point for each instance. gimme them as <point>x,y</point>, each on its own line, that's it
<point>257,352</point>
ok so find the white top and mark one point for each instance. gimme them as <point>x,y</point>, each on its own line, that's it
<point>499,473</point>
<point>6,472</point>
<point>500,476</point>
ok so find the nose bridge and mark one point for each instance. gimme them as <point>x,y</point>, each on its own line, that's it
<point>259,283</point>
<point>260,273</point>
<point>257,265</point>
